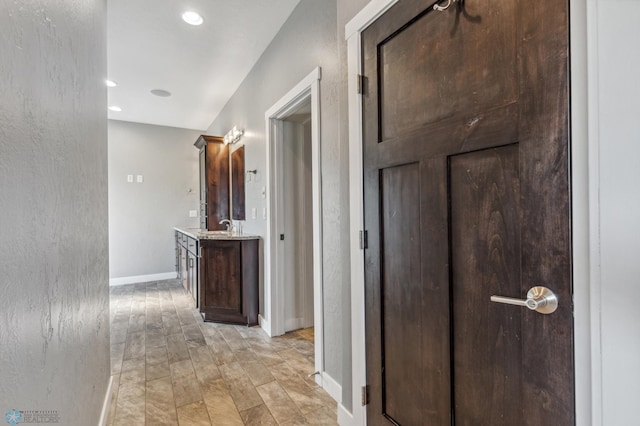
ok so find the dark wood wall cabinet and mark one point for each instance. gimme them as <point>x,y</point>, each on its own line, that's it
<point>229,280</point>
<point>214,182</point>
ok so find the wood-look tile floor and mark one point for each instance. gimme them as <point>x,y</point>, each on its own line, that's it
<point>171,368</point>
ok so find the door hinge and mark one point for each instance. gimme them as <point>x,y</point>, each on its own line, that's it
<point>360,84</point>
<point>364,240</point>
<point>365,395</point>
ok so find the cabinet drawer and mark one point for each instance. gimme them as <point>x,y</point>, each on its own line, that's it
<point>191,245</point>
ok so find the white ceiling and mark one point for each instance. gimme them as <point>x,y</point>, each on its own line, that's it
<point>151,47</point>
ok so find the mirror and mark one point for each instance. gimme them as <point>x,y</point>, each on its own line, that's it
<point>237,184</point>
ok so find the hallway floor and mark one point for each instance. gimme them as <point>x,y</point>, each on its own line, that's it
<point>169,367</point>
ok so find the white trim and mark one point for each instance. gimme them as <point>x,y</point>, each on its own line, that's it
<point>593,301</point>
<point>585,221</point>
<point>345,418</point>
<point>142,278</point>
<point>329,384</point>
<point>372,11</point>
<point>584,177</point>
<point>264,324</point>
<point>307,89</point>
<point>104,414</point>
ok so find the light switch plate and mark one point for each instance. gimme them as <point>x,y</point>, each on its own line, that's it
<point>139,179</point>
<point>264,192</point>
<point>264,213</point>
<point>254,213</point>
<point>130,178</point>
<point>193,213</point>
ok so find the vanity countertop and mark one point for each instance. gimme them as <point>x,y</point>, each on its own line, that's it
<point>199,234</point>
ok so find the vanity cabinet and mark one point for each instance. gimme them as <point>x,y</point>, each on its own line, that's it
<point>229,280</point>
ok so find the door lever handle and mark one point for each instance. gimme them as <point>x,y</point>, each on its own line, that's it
<point>539,299</point>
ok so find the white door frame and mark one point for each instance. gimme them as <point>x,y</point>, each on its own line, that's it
<point>273,322</point>
<point>584,201</point>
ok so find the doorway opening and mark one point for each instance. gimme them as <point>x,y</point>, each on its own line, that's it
<point>293,245</point>
<point>296,236</point>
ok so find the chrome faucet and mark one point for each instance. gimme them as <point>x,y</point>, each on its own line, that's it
<point>229,224</point>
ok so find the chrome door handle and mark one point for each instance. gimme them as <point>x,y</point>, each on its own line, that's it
<point>539,299</point>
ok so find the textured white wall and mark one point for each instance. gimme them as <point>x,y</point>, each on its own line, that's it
<point>54,301</point>
<point>618,110</point>
<point>142,215</point>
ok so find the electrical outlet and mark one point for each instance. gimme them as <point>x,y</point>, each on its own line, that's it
<point>193,213</point>
<point>130,178</point>
<point>139,179</point>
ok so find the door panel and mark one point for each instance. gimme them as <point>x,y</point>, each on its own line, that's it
<point>441,46</point>
<point>400,285</point>
<point>223,290</point>
<point>466,186</point>
<point>485,254</point>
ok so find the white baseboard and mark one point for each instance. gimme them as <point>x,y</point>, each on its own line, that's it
<point>345,418</point>
<point>332,387</point>
<point>292,324</point>
<point>265,325</point>
<point>105,405</point>
<point>142,278</point>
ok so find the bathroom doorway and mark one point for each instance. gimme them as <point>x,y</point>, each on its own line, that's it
<point>293,245</point>
<point>296,232</point>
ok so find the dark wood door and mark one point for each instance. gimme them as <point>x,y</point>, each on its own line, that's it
<point>466,173</point>
<point>203,188</point>
<point>214,182</point>
<point>221,281</point>
<point>229,289</point>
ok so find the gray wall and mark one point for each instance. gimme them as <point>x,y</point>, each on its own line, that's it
<point>142,215</point>
<point>307,40</point>
<point>54,301</point>
<point>618,109</point>
<point>312,36</point>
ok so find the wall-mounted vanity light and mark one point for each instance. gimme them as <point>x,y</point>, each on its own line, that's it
<point>233,135</point>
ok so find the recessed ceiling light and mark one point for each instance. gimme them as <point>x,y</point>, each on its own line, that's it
<point>161,93</point>
<point>192,18</point>
<point>115,108</point>
<point>110,83</point>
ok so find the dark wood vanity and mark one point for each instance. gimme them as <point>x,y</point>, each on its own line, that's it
<point>218,268</point>
<point>229,277</point>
